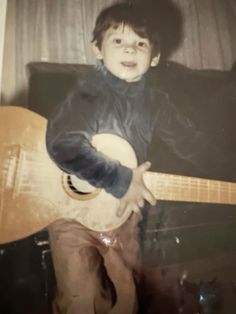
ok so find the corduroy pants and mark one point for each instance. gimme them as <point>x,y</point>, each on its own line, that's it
<point>95,272</point>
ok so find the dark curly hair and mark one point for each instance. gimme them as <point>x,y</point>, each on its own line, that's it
<point>129,14</point>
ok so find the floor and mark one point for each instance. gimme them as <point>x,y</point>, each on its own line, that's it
<point>189,255</point>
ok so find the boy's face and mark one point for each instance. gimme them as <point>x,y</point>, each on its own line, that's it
<point>125,54</point>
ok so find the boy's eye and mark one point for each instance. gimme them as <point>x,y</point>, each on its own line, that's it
<point>117,41</point>
<point>142,44</point>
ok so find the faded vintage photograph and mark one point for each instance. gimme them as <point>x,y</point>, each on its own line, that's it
<point>117,157</point>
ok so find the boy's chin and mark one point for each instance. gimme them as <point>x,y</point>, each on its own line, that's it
<point>133,79</point>
<point>126,75</point>
<point>136,79</point>
<point>130,78</point>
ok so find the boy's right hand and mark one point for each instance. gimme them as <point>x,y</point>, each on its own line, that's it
<point>137,192</point>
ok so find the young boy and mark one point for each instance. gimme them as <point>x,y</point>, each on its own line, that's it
<point>98,272</point>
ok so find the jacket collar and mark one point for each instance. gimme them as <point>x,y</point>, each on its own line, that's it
<point>120,86</point>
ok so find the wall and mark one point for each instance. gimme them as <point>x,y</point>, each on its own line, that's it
<point>3,7</point>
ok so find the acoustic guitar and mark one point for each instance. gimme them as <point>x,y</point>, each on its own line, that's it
<point>34,192</point>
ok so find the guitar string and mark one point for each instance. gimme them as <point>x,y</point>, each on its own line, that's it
<point>174,180</point>
<point>185,186</point>
<point>190,184</point>
<point>198,195</point>
<point>25,188</point>
<point>165,176</point>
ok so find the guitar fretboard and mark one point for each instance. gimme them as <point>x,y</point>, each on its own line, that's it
<point>190,189</point>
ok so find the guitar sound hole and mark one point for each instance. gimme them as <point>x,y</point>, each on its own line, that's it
<point>73,188</point>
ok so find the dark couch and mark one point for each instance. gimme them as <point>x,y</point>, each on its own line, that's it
<point>207,97</point>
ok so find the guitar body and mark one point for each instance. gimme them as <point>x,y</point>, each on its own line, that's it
<point>34,192</point>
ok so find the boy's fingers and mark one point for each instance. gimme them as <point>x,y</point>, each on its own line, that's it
<point>141,203</point>
<point>135,208</point>
<point>145,166</point>
<point>150,198</point>
<point>120,211</point>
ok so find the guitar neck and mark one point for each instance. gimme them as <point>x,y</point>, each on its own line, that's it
<point>190,189</point>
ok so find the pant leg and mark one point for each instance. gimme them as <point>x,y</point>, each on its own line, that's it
<point>79,255</point>
<point>77,265</point>
<point>123,265</point>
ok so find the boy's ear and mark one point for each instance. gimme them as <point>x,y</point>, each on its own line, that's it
<point>155,60</point>
<point>96,51</point>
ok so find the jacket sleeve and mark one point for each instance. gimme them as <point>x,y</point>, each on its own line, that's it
<point>68,136</point>
<point>193,144</point>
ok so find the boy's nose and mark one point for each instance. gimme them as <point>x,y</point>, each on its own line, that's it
<point>130,49</point>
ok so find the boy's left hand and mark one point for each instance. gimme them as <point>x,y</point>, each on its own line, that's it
<point>137,192</point>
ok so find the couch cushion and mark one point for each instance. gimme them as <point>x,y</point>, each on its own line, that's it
<point>49,84</point>
<point>208,97</point>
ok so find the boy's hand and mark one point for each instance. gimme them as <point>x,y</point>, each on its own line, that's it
<point>137,192</point>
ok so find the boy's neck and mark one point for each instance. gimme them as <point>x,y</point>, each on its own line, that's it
<point>116,82</point>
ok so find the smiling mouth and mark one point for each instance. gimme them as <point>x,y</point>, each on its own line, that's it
<point>129,64</point>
